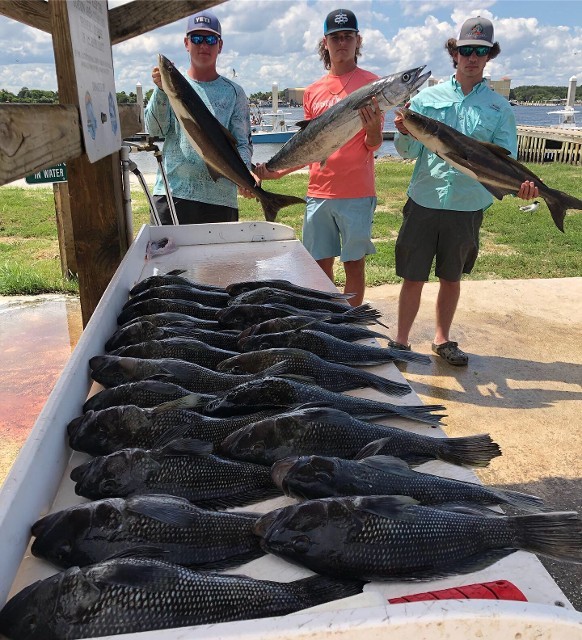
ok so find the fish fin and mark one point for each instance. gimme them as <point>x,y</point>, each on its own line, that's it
<point>185,447</point>
<point>555,534</point>
<point>558,203</point>
<point>171,510</point>
<point>471,451</point>
<point>154,577</point>
<point>240,499</point>
<point>318,589</point>
<point>366,101</point>
<point>277,370</point>
<point>214,174</point>
<point>175,432</point>
<point>466,508</point>
<point>273,202</point>
<point>520,500</point>
<point>232,562</point>
<point>139,551</point>
<point>191,401</point>
<point>498,150</point>
<point>388,464</point>
<point>386,506</point>
<point>298,378</point>
<point>302,124</point>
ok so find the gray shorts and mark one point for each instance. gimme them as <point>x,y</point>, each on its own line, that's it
<point>451,236</point>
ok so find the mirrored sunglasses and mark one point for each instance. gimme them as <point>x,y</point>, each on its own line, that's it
<point>467,50</point>
<point>209,40</point>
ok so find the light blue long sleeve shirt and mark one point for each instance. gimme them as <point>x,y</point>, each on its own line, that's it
<point>186,170</point>
<point>482,114</point>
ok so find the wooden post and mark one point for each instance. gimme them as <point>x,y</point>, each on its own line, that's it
<point>95,190</point>
<point>65,229</point>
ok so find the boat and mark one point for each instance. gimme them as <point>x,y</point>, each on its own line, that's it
<point>566,118</point>
<point>39,481</point>
<point>272,126</point>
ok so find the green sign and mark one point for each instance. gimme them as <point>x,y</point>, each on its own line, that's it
<point>58,173</point>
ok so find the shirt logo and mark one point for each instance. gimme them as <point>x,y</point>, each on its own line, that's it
<point>341,18</point>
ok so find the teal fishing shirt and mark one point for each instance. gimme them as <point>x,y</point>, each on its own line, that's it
<point>185,169</point>
<point>482,114</point>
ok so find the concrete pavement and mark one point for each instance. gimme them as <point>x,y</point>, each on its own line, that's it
<point>523,385</point>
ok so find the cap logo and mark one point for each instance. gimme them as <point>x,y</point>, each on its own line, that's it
<point>202,19</point>
<point>477,31</point>
<point>340,19</point>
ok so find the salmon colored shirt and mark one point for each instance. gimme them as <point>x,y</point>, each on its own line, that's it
<point>349,171</point>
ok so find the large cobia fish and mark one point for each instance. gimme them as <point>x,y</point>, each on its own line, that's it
<point>277,392</point>
<point>326,477</point>
<point>488,163</point>
<point>129,595</point>
<point>394,538</point>
<point>329,432</point>
<point>320,137</point>
<point>213,142</point>
<point>160,526</point>
<point>183,468</point>
<point>129,426</point>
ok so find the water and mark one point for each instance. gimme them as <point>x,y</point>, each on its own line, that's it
<point>533,116</point>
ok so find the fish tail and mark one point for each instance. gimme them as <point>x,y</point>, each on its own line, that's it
<point>558,203</point>
<point>401,355</point>
<point>421,413</point>
<point>520,500</point>
<point>272,202</point>
<point>472,451</point>
<point>383,385</point>
<point>557,535</point>
<point>319,589</point>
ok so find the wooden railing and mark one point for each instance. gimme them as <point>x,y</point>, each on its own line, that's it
<point>549,144</point>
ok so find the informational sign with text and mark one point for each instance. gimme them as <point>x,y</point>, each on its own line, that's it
<point>93,63</point>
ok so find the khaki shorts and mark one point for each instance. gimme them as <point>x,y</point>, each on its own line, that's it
<point>450,236</point>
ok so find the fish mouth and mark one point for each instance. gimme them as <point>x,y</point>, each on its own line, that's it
<point>75,424</point>
<point>79,473</point>
<point>228,445</point>
<point>265,522</point>
<point>280,470</point>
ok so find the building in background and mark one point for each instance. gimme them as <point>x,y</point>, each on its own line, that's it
<point>294,97</point>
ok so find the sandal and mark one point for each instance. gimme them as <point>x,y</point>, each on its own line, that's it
<point>398,345</point>
<point>450,352</point>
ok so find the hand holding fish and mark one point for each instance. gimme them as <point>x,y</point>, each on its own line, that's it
<point>399,122</point>
<point>371,117</point>
<point>527,191</point>
<point>157,77</point>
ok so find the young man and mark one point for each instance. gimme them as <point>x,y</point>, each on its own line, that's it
<point>196,196</point>
<point>444,212</point>
<point>341,196</point>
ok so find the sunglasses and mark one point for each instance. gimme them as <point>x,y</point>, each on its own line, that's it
<point>210,40</point>
<point>467,50</point>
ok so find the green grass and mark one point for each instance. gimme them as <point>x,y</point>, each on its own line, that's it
<point>513,244</point>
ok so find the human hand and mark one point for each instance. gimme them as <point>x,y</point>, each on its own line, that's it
<point>263,173</point>
<point>371,118</point>
<point>528,190</point>
<point>399,122</point>
<point>157,77</point>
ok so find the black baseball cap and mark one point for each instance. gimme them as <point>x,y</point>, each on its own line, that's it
<point>340,20</point>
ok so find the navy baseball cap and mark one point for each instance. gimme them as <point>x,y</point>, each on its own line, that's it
<point>204,21</point>
<point>340,20</point>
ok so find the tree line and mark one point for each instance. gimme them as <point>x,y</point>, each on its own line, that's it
<point>539,93</point>
<point>39,96</point>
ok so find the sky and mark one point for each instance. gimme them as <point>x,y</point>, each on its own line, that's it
<point>275,41</point>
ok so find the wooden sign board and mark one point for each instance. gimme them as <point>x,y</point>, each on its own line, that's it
<point>93,62</point>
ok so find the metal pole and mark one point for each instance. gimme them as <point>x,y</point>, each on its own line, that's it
<point>124,155</point>
<point>172,207</point>
<point>139,94</point>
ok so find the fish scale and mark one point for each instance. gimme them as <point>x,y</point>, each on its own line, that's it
<point>180,292</point>
<point>392,538</point>
<point>184,471</point>
<point>187,535</point>
<point>330,348</point>
<point>329,432</point>
<point>129,595</point>
<point>157,305</point>
<point>271,391</point>
<point>329,375</point>
<point>145,393</point>
<point>107,430</point>
<point>266,295</point>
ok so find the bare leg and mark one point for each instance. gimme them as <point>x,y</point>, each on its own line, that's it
<point>326,265</point>
<point>446,305</point>
<point>355,280</point>
<point>408,305</point>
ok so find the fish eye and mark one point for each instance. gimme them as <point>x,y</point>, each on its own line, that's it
<point>108,486</point>
<point>29,623</point>
<point>258,447</point>
<point>301,544</point>
<point>64,551</point>
<point>323,475</point>
<point>405,77</point>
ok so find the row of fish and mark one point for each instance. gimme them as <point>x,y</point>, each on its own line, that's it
<point>177,438</point>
